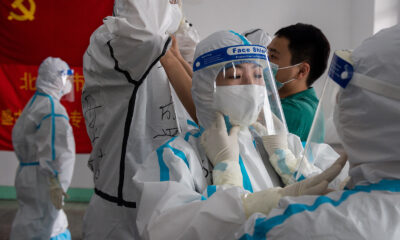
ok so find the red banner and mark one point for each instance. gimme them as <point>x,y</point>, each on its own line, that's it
<point>30,31</point>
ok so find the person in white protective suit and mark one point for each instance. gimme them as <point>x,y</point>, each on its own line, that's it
<point>183,195</point>
<point>44,144</point>
<point>129,108</point>
<point>367,118</point>
<point>284,149</point>
<point>257,36</point>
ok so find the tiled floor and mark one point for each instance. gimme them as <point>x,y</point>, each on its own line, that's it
<point>74,211</point>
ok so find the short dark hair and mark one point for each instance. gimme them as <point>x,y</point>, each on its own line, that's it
<point>307,43</point>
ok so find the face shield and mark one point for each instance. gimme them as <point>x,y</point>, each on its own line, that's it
<point>67,92</point>
<point>241,91</point>
<point>274,102</point>
<point>328,126</point>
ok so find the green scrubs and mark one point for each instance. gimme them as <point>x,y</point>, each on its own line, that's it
<point>299,110</point>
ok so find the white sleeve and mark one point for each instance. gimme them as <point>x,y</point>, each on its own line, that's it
<point>64,145</point>
<point>175,208</point>
<point>56,148</point>
<point>320,156</point>
<point>138,35</point>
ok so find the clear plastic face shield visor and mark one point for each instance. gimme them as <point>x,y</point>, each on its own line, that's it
<point>341,74</point>
<point>241,91</point>
<point>68,91</point>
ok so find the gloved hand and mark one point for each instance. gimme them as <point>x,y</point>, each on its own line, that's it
<point>281,157</point>
<point>265,201</point>
<point>56,193</point>
<point>223,152</point>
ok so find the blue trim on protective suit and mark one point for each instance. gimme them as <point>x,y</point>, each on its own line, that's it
<point>180,154</point>
<point>244,40</point>
<point>49,115</point>
<point>211,189</point>
<point>246,179</point>
<point>264,225</point>
<point>53,115</point>
<point>44,118</point>
<point>61,115</point>
<point>191,123</point>
<point>24,164</point>
<point>33,99</point>
<point>195,135</point>
<point>164,170</point>
<point>53,124</point>
<point>66,235</point>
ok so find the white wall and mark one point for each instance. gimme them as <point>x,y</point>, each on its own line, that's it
<point>387,13</point>
<point>345,23</point>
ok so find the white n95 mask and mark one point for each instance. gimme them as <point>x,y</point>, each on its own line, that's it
<point>241,103</point>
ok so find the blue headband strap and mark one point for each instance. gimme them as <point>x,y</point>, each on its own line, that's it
<point>229,54</point>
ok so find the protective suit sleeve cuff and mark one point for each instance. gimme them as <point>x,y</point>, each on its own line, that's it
<point>262,202</point>
<point>54,182</point>
<point>273,142</point>
<point>228,172</point>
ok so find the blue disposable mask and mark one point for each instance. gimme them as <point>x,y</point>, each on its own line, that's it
<point>275,68</point>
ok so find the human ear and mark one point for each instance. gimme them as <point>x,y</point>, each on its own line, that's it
<point>304,70</point>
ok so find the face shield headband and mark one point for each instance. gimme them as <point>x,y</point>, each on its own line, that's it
<point>229,54</point>
<point>341,74</point>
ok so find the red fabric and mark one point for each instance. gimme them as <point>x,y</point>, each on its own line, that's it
<point>30,31</point>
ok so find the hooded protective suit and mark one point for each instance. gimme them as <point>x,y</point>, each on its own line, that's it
<point>368,122</point>
<point>44,144</point>
<point>129,108</point>
<point>178,200</point>
<point>258,36</point>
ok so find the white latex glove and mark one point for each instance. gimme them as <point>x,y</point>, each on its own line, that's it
<point>282,158</point>
<point>218,145</point>
<point>266,200</point>
<point>223,152</point>
<point>56,193</point>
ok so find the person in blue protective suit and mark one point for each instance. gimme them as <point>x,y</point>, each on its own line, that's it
<point>184,194</point>
<point>44,144</point>
<point>367,118</point>
<point>130,108</point>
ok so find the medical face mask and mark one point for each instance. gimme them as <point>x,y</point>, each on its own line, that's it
<point>275,69</point>
<point>241,103</point>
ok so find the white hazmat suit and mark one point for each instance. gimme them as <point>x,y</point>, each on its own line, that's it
<point>178,200</point>
<point>367,117</point>
<point>129,108</point>
<point>44,144</point>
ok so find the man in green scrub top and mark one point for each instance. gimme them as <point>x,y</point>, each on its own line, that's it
<point>301,54</point>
